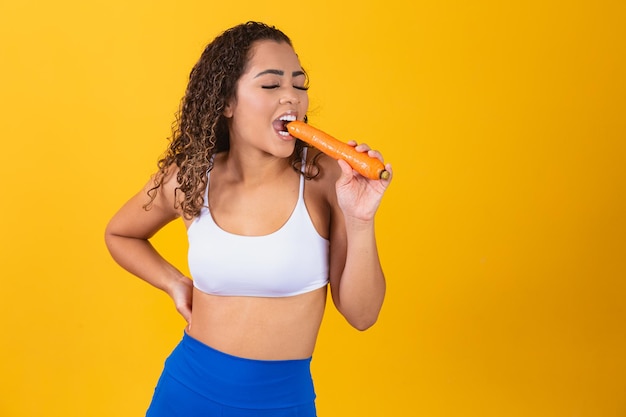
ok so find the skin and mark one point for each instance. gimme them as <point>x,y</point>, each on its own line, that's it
<point>253,190</point>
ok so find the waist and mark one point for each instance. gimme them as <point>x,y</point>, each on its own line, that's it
<point>258,327</point>
<point>240,382</point>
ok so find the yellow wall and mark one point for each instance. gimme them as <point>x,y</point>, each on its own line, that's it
<point>503,235</point>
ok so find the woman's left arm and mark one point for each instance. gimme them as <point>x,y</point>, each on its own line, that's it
<point>356,277</point>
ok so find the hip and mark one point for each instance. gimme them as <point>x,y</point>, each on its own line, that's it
<point>206,373</point>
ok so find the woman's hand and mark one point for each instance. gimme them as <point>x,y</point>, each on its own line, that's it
<point>357,196</point>
<point>181,292</point>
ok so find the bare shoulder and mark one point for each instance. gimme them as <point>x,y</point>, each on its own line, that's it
<point>149,209</point>
<point>329,172</point>
<point>320,194</point>
<point>164,187</point>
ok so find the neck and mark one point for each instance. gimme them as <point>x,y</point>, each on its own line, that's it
<point>253,169</point>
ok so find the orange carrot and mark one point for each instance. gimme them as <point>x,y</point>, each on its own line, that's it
<point>360,161</point>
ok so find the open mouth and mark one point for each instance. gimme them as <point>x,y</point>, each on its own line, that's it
<point>280,124</point>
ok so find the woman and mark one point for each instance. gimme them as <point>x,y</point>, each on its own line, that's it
<point>263,243</point>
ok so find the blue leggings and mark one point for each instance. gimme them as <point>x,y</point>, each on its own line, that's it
<point>200,381</point>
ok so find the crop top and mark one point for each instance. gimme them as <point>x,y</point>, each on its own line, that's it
<point>290,261</point>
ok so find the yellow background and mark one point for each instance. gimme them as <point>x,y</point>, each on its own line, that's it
<point>503,235</point>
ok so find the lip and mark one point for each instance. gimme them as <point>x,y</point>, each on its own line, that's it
<point>278,125</point>
<point>289,113</point>
<point>285,138</point>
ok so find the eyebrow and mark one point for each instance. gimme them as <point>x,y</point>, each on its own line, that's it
<point>278,72</point>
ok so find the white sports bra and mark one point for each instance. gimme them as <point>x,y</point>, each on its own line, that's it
<point>290,261</point>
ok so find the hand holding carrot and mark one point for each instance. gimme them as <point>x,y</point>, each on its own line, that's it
<point>358,195</point>
<point>366,165</point>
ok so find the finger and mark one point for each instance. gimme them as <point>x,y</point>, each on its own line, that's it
<point>184,309</point>
<point>346,172</point>
<point>186,313</point>
<point>375,154</point>
<point>362,147</point>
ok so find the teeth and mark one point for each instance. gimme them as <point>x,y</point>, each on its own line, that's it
<point>282,133</point>
<point>287,118</point>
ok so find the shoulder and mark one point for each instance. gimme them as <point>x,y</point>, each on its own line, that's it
<point>149,209</point>
<point>326,167</point>
<point>328,171</point>
<point>319,192</point>
<point>165,188</point>
<point>169,177</point>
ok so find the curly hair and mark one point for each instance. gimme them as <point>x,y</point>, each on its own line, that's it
<point>200,129</point>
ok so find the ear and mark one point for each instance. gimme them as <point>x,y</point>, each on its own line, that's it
<point>228,110</point>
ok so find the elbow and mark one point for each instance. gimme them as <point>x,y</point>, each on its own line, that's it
<point>363,326</point>
<point>108,237</point>
<point>361,312</point>
<point>363,323</point>
<point>111,238</point>
<point>361,316</point>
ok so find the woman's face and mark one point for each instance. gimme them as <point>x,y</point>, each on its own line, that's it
<point>270,91</point>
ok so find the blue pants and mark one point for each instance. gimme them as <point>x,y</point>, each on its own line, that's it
<point>200,381</point>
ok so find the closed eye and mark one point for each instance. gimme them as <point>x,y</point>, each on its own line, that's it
<point>297,87</point>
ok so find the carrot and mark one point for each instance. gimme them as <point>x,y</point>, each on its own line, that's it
<point>360,161</point>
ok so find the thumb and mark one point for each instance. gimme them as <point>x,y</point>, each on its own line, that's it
<point>186,313</point>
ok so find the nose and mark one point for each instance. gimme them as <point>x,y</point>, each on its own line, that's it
<point>289,99</point>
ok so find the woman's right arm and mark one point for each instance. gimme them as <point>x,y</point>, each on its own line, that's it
<point>127,238</point>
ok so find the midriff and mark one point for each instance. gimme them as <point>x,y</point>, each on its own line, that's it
<point>262,328</point>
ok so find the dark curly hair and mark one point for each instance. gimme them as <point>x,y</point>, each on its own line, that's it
<point>200,129</point>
